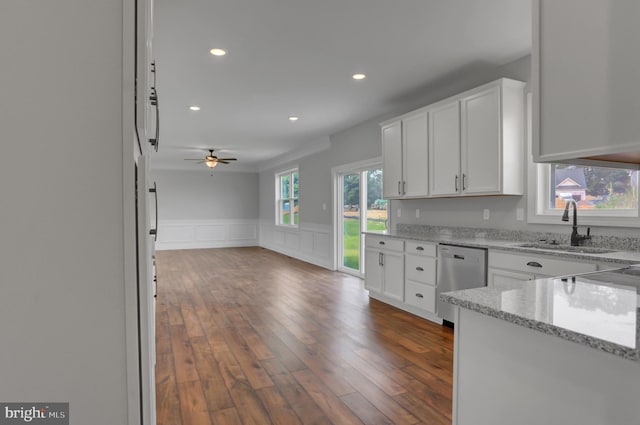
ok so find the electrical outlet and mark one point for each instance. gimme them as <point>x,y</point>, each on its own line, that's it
<point>417,212</point>
<point>486,214</point>
<point>519,214</point>
<point>399,212</point>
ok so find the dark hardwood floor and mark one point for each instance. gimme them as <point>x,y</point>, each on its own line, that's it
<point>249,336</point>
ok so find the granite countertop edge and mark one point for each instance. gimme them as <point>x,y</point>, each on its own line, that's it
<point>616,257</point>
<point>586,340</point>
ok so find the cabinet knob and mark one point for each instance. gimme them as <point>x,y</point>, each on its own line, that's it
<point>419,248</point>
<point>534,264</point>
<point>381,242</point>
<point>419,295</point>
<point>420,269</point>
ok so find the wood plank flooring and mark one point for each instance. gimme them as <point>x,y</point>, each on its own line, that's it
<point>248,336</point>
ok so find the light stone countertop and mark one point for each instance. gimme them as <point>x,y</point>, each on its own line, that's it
<point>599,310</point>
<point>618,258</point>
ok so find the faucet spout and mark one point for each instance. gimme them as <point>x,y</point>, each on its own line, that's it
<point>576,238</point>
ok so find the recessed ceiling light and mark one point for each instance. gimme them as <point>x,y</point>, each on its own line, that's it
<point>217,52</point>
<point>358,76</point>
<point>194,108</point>
<point>292,118</point>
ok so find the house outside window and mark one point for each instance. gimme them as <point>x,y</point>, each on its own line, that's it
<point>287,198</point>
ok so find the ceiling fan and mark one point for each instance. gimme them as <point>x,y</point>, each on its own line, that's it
<point>211,160</point>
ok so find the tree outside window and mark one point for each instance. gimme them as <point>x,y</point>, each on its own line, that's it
<point>287,198</point>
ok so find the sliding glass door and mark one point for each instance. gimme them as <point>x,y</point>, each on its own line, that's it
<point>361,208</point>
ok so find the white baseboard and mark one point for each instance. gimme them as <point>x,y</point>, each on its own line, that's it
<point>196,234</point>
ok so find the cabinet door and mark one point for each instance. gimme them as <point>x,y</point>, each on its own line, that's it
<point>481,142</point>
<point>392,160</point>
<point>415,148</point>
<point>444,149</point>
<point>372,270</point>
<point>393,281</point>
<point>587,61</point>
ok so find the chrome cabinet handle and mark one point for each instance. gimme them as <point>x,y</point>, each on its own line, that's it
<point>534,264</point>
<point>419,295</point>
<point>464,179</point>
<point>419,248</point>
<point>382,259</point>
<point>404,189</point>
<point>456,184</point>
<point>420,269</point>
<point>399,192</point>
<point>381,242</point>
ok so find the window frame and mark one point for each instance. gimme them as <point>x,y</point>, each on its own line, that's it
<point>279,199</point>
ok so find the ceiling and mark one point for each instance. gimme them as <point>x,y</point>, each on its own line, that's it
<point>296,57</point>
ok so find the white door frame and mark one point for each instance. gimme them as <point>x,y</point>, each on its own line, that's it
<point>336,174</point>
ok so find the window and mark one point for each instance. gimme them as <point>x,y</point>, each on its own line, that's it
<point>598,191</point>
<point>287,198</point>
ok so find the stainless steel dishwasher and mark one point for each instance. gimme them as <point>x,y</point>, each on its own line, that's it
<point>459,268</point>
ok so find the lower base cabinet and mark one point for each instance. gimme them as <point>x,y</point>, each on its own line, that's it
<point>403,274</point>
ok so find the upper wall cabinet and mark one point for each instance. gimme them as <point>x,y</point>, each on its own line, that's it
<point>586,64</point>
<point>147,121</point>
<point>405,155</point>
<point>467,145</point>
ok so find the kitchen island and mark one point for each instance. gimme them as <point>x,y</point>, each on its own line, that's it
<point>550,351</point>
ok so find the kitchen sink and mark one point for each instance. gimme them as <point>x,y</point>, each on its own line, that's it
<point>567,248</point>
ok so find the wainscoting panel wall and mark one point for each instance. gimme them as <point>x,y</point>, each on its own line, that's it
<point>191,234</point>
<point>308,242</point>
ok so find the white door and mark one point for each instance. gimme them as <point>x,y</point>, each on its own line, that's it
<point>393,270</point>
<point>444,149</point>
<point>481,142</point>
<point>415,153</point>
<point>392,160</point>
<point>361,208</point>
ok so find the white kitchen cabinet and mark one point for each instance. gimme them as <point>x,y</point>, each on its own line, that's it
<point>384,267</point>
<point>586,94</point>
<point>444,145</point>
<point>504,266</point>
<point>420,276</point>
<point>405,156</point>
<point>476,142</point>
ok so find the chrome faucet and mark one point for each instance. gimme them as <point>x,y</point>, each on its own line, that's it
<point>576,238</point>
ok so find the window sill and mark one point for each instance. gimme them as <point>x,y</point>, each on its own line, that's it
<point>584,220</point>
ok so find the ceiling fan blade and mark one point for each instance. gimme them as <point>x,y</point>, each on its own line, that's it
<point>227,159</point>
<point>193,159</point>
<point>222,162</point>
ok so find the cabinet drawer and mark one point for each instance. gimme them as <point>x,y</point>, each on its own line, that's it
<point>420,269</point>
<point>538,264</point>
<point>421,296</point>
<point>381,242</point>
<point>421,248</point>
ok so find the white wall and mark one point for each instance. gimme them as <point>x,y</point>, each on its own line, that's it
<point>206,209</point>
<point>62,267</point>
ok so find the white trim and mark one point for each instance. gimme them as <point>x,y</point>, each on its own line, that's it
<point>309,242</point>
<point>196,234</point>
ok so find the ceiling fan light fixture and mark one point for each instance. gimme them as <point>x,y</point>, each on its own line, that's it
<point>211,163</point>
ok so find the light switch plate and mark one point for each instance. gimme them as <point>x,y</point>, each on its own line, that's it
<point>399,212</point>
<point>519,214</point>
<point>486,214</point>
<point>324,206</point>
<point>417,212</point>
